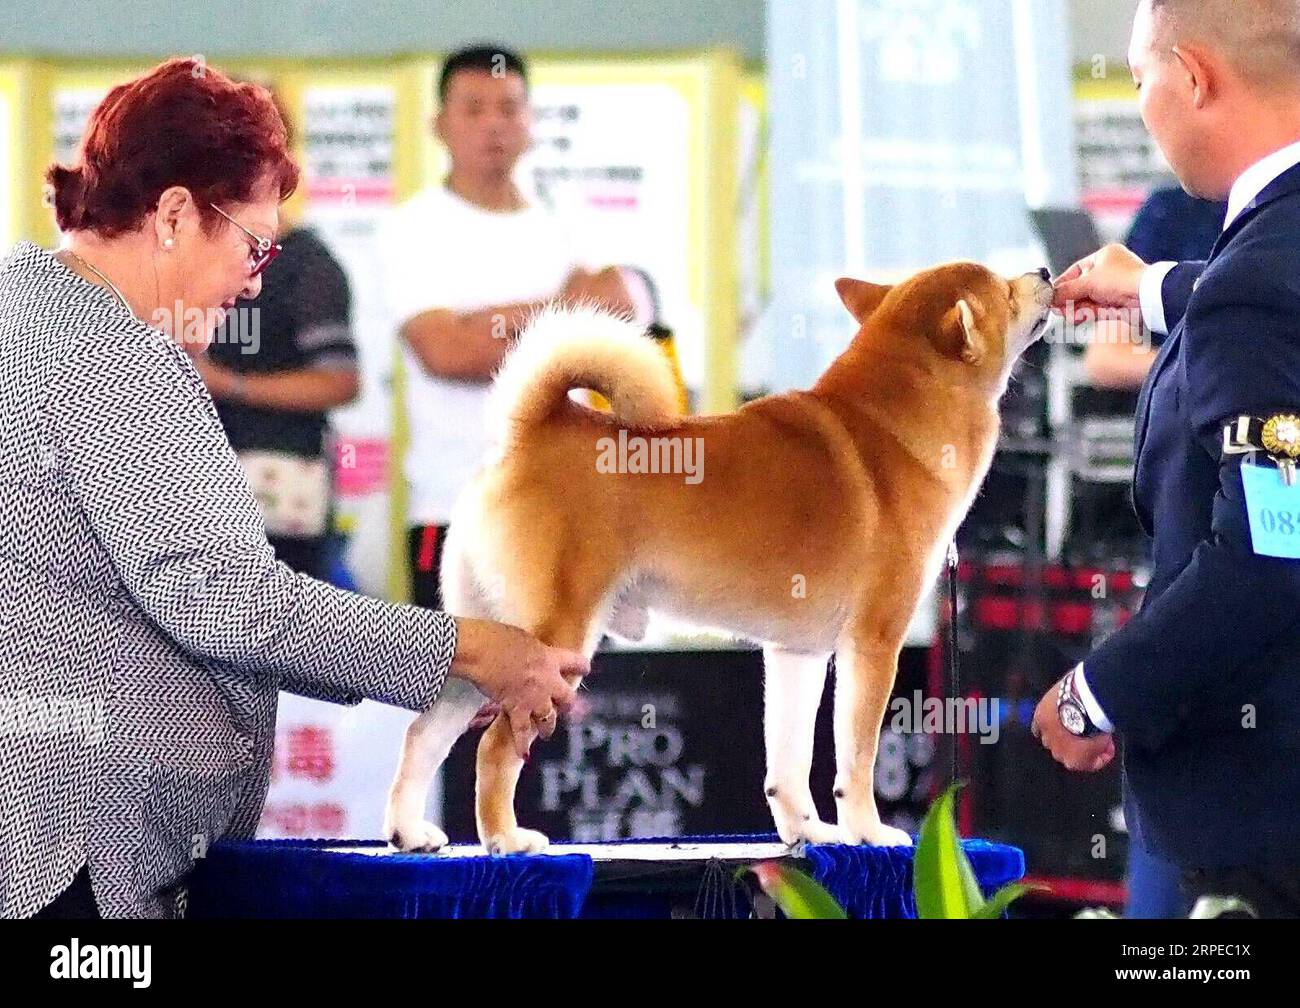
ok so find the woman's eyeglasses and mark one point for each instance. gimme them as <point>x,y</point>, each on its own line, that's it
<point>264,249</point>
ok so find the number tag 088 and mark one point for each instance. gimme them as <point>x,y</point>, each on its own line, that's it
<point>1274,511</point>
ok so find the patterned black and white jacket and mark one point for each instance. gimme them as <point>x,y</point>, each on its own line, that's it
<point>145,624</point>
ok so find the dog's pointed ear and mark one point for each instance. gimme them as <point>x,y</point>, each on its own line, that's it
<point>859,297</point>
<point>962,334</point>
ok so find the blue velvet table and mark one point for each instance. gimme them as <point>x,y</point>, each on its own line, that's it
<point>641,878</point>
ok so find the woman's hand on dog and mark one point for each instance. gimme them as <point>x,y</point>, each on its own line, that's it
<point>532,682</point>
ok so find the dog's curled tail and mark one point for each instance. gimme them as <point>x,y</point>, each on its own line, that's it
<point>583,347</point>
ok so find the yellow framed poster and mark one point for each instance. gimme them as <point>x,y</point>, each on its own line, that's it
<point>68,93</point>
<point>641,156</point>
<point>24,158</point>
<point>1119,162</point>
<point>12,171</point>
<point>753,245</point>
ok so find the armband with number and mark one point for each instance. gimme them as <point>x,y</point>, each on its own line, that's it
<point>1272,496</point>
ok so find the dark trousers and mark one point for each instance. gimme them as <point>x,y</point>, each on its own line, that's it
<point>1273,893</point>
<point>424,545</point>
<point>1155,887</point>
<point>77,902</point>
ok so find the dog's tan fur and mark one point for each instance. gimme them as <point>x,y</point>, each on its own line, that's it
<point>820,519</point>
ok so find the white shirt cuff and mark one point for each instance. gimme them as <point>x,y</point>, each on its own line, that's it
<point>1095,713</point>
<point>1151,298</point>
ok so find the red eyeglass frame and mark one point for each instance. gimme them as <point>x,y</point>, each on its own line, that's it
<point>267,250</point>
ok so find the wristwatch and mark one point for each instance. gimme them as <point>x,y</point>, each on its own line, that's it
<point>1070,709</point>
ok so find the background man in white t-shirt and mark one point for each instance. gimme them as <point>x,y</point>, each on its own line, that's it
<point>470,260</point>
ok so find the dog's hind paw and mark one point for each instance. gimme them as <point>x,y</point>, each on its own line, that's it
<point>418,836</point>
<point>516,841</point>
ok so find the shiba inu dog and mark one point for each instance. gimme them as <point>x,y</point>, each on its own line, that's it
<point>812,521</point>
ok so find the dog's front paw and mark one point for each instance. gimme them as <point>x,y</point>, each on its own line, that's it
<point>516,841</point>
<point>417,835</point>
<point>880,835</point>
<point>812,831</point>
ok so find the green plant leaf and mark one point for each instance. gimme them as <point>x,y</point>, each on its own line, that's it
<point>799,896</point>
<point>942,879</point>
<point>1000,900</point>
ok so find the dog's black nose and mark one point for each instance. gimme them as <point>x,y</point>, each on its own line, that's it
<point>1045,274</point>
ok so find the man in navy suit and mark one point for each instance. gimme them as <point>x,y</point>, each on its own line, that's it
<point>1203,684</point>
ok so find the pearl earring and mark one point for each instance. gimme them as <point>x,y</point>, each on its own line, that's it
<point>168,242</point>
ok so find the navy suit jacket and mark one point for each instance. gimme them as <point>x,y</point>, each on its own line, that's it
<point>1173,225</point>
<point>1203,684</point>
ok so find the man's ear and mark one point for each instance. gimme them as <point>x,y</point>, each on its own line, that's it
<point>1200,73</point>
<point>961,334</point>
<point>859,297</point>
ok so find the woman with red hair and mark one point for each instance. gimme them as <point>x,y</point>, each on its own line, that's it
<point>146,624</point>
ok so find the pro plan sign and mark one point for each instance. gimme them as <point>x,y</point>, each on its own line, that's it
<point>640,759</point>
<point>623,771</point>
<point>671,744</point>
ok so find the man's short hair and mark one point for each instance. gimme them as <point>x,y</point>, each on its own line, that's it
<point>496,60</point>
<point>1260,37</point>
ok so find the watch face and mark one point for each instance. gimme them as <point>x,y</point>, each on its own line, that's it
<point>1072,718</point>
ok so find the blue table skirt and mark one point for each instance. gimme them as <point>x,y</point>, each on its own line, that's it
<point>303,879</point>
